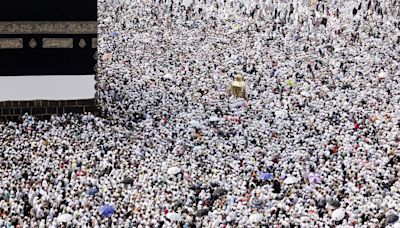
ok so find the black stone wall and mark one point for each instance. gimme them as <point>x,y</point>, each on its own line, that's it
<point>48,10</point>
<point>43,109</point>
<point>42,61</point>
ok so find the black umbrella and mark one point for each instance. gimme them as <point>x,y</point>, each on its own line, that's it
<point>392,218</point>
<point>202,212</point>
<point>257,203</point>
<point>214,184</point>
<point>324,21</point>
<point>328,46</point>
<point>219,192</point>
<point>334,203</point>
<point>276,186</point>
<point>196,186</point>
<point>127,180</point>
<point>321,203</point>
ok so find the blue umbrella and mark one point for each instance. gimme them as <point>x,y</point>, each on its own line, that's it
<point>106,210</point>
<point>297,37</point>
<point>266,176</point>
<point>114,34</point>
<point>92,191</point>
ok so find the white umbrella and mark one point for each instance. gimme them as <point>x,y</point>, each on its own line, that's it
<point>382,75</point>
<point>237,104</point>
<point>168,76</point>
<point>187,3</point>
<point>304,93</point>
<point>174,216</point>
<point>173,170</point>
<point>214,119</point>
<point>280,113</point>
<point>338,214</point>
<point>197,149</point>
<point>254,218</point>
<point>195,123</point>
<point>314,178</point>
<point>291,180</point>
<point>65,218</point>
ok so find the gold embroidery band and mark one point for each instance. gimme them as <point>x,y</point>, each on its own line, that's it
<point>11,43</point>
<point>48,27</point>
<point>58,43</point>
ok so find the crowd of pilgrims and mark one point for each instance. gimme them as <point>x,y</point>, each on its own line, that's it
<point>315,142</point>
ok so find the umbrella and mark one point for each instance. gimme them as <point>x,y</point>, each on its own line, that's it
<point>195,123</point>
<point>255,218</point>
<point>276,186</point>
<point>214,119</point>
<point>114,34</point>
<point>257,203</point>
<point>106,210</point>
<point>392,218</point>
<point>92,191</point>
<point>202,212</point>
<point>187,3</point>
<point>334,203</point>
<point>280,113</point>
<point>382,75</point>
<point>338,214</point>
<point>214,184</point>
<point>197,149</point>
<point>314,178</point>
<point>266,176</point>
<point>291,180</point>
<point>297,37</point>
<point>330,47</point>
<point>324,21</point>
<point>219,192</point>
<point>174,216</point>
<point>195,186</point>
<point>168,76</point>
<point>304,93</point>
<point>173,170</point>
<point>128,180</point>
<point>321,203</point>
<point>65,218</point>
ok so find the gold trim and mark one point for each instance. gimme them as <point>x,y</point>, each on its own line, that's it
<point>58,43</point>
<point>11,43</point>
<point>48,27</point>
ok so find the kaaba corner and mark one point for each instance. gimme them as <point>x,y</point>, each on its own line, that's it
<point>48,57</point>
